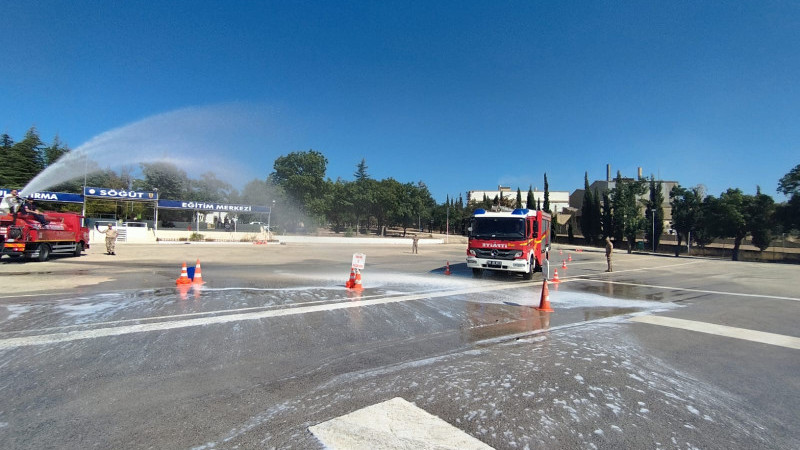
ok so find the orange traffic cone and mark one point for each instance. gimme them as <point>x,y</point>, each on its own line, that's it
<point>357,285</point>
<point>198,277</point>
<point>563,264</point>
<point>569,257</point>
<point>352,281</point>
<point>560,252</point>
<point>544,303</point>
<point>183,290</point>
<point>447,268</point>
<point>184,279</point>
<point>555,277</point>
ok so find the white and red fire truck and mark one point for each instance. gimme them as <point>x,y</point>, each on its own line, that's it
<point>512,241</point>
<point>22,235</point>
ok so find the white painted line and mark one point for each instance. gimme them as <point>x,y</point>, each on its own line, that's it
<point>67,336</point>
<point>699,291</point>
<point>722,330</point>
<point>393,424</point>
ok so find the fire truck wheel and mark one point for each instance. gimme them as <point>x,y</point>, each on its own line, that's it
<point>477,273</point>
<point>531,268</point>
<point>44,252</point>
<point>78,249</point>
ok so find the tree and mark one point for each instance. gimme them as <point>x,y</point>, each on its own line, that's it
<point>729,214</point>
<point>788,213</point>
<point>789,184</point>
<point>685,213</point>
<point>302,177</point>
<point>518,204</point>
<point>54,151</point>
<point>530,202</point>
<point>608,218</point>
<point>361,171</point>
<point>760,219</point>
<point>21,161</point>
<point>546,206</point>
<point>587,211</point>
<point>628,221</point>
<point>655,221</point>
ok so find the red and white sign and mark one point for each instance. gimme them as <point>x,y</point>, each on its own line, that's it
<point>359,259</point>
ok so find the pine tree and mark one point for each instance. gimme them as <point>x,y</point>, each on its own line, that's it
<point>530,203</point>
<point>546,194</point>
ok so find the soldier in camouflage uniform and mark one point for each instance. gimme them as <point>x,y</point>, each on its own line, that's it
<point>111,239</point>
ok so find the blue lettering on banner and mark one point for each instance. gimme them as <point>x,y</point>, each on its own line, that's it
<point>118,194</point>
<point>64,197</point>
<point>206,206</point>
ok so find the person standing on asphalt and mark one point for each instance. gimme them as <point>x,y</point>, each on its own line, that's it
<point>609,250</point>
<point>415,244</point>
<point>111,238</point>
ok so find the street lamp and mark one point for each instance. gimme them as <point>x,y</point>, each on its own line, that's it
<point>269,219</point>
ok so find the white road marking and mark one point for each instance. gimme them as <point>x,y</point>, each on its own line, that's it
<point>700,291</point>
<point>67,336</point>
<point>393,424</point>
<point>722,330</point>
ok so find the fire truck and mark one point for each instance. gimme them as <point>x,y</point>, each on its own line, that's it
<point>22,235</point>
<point>513,241</point>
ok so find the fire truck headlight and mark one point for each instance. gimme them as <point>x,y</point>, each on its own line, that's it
<point>518,254</point>
<point>471,252</point>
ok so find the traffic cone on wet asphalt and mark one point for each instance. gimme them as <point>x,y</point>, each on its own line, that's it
<point>555,277</point>
<point>357,285</point>
<point>544,303</point>
<point>184,279</point>
<point>183,290</point>
<point>352,281</point>
<point>198,277</point>
<point>569,257</point>
<point>447,268</point>
<point>563,264</point>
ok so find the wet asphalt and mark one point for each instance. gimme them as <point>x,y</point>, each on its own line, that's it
<point>103,351</point>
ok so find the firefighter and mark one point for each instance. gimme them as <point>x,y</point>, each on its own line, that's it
<point>609,250</point>
<point>415,244</point>
<point>111,238</point>
<point>14,203</point>
<point>30,208</point>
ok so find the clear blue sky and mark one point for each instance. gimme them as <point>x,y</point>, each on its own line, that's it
<point>462,95</point>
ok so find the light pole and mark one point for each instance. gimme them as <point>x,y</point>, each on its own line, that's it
<point>654,229</point>
<point>269,219</point>
<point>447,228</point>
<point>155,212</point>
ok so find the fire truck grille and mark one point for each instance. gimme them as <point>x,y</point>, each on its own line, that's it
<point>495,253</point>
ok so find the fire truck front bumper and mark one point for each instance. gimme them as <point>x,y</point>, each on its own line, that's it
<point>512,265</point>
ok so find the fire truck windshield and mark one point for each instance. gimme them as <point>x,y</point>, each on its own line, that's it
<point>501,228</point>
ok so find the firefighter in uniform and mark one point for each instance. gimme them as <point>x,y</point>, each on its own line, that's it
<point>415,244</point>
<point>111,238</point>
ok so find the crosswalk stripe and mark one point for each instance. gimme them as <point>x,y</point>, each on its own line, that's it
<point>722,330</point>
<point>393,424</point>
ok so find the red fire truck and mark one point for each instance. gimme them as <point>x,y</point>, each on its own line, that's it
<point>513,241</point>
<point>22,235</point>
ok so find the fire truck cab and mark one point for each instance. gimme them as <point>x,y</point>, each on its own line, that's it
<point>512,241</point>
